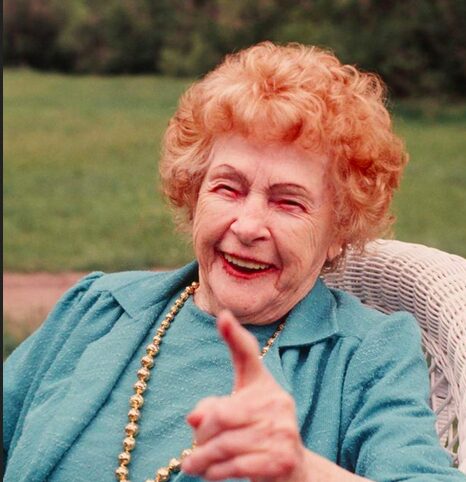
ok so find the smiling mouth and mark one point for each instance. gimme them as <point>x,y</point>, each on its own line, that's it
<point>243,266</point>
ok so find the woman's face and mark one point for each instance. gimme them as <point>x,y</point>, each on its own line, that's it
<point>262,228</point>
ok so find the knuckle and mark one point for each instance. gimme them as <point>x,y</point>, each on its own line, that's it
<point>283,463</point>
<point>225,449</point>
<point>222,415</point>
<point>239,468</point>
<point>215,410</point>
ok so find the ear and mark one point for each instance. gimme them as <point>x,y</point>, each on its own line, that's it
<point>334,250</point>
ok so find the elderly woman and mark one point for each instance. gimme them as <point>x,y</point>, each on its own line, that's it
<point>277,160</point>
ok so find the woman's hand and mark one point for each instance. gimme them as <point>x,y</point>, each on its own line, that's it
<point>253,433</point>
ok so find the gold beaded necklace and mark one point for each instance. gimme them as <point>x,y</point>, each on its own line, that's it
<point>137,400</point>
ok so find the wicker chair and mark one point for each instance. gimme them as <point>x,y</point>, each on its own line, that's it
<point>430,284</point>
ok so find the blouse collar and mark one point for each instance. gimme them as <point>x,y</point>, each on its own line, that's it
<point>312,320</point>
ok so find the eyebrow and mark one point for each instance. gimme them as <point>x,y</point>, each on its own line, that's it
<point>289,187</point>
<point>225,170</point>
<point>230,172</point>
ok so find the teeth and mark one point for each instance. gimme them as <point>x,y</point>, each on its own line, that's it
<point>244,264</point>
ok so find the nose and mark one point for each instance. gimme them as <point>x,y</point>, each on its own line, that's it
<point>250,223</point>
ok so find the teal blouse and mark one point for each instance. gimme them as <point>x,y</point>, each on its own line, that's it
<point>191,365</point>
<point>358,377</point>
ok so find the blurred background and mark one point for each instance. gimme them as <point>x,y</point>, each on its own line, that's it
<point>89,87</point>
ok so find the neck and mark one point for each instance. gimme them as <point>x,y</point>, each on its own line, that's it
<point>202,302</point>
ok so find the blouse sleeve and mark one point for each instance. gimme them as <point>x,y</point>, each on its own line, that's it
<point>26,366</point>
<point>388,430</point>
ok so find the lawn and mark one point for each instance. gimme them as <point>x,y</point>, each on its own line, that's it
<point>80,173</point>
<point>431,204</point>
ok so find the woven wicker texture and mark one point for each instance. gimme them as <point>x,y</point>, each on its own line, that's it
<point>430,284</point>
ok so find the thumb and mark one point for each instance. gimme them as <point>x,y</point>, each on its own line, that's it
<point>244,350</point>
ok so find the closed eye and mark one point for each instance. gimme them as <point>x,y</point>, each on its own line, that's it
<point>290,204</point>
<point>226,189</point>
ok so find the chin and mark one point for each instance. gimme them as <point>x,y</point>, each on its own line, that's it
<point>239,304</point>
<point>247,295</point>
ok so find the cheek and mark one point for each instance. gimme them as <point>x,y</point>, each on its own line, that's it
<point>210,220</point>
<point>302,247</point>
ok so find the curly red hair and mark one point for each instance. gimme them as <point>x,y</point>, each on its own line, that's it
<point>296,94</point>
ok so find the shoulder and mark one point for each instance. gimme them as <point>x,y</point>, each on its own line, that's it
<point>99,299</point>
<point>380,346</point>
<point>114,281</point>
<point>358,321</point>
<point>135,291</point>
<point>375,342</point>
<point>329,315</point>
<point>385,386</point>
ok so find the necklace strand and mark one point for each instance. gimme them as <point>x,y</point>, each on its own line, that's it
<point>136,401</point>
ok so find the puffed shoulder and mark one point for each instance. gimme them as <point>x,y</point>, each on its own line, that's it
<point>135,291</point>
<point>100,299</point>
<point>96,315</point>
<point>364,323</point>
<point>387,427</point>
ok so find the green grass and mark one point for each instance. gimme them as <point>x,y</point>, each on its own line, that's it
<point>431,204</point>
<point>80,173</point>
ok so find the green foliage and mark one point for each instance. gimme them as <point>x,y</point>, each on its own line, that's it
<point>417,46</point>
<point>198,57</point>
<point>114,37</point>
<point>31,32</point>
<point>80,170</point>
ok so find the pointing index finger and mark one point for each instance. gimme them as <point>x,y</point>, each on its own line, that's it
<point>243,348</point>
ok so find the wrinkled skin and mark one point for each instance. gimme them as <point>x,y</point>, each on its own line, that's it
<point>270,204</point>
